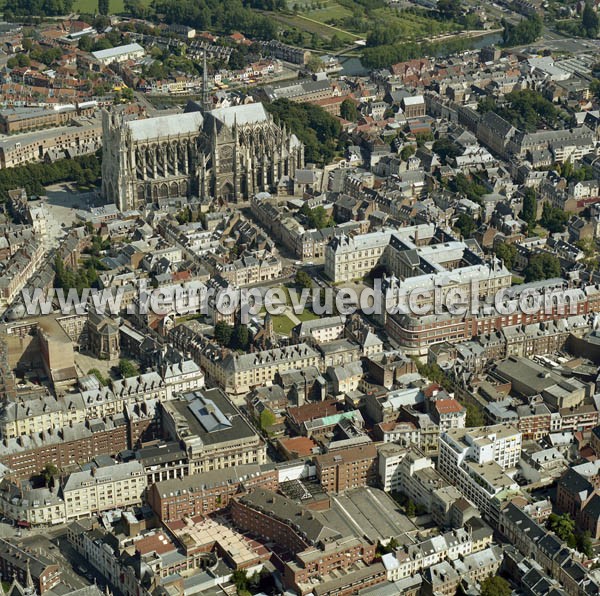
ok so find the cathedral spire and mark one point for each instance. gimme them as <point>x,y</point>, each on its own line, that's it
<point>205,97</point>
<point>29,586</point>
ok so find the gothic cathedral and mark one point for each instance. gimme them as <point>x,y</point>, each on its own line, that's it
<point>227,153</point>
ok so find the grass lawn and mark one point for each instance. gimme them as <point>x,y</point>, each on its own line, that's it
<point>311,26</point>
<point>307,315</point>
<point>411,26</point>
<point>91,6</point>
<point>283,324</point>
<point>330,10</point>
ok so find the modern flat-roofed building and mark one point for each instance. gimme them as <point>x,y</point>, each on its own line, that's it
<point>131,51</point>
<point>475,461</point>
<point>212,430</point>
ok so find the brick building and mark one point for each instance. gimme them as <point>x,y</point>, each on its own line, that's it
<point>319,552</point>
<point>28,568</point>
<point>28,454</point>
<point>202,494</point>
<point>347,468</point>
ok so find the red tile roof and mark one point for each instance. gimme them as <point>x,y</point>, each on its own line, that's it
<point>448,406</point>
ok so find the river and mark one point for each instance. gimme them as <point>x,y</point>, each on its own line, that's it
<point>352,67</point>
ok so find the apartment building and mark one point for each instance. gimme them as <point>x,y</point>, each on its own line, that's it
<point>534,541</point>
<point>287,53</point>
<point>448,413</point>
<point>348,468</point>
<point>212,430</point>
<point>302,90</point>
<point>31,506</point>
<point>410,472</point>
<point>237,373</point>
<point>99,489</point>
<point>319,552</point>
<point>417,333</point>
<point>20,267</point>
<point>203,494</point>
<point>132,51</point>
<point>251,269</point>
<point>415,255</point>
<point>476,461</point>
<point>43,414</point>
<point>16,120</point>
<point>283,227</point>
<point>390,455</point>
<point>56,143</point>
<point>26,455</point>
<point>578,494</point>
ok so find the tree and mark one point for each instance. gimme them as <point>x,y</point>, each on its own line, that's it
<point>49,472</point>
<point>524,32</point>
<point>101,379</point>
<point>445,148</point>
<point>554,219</point>
<point>318,217</point>
<point>529,211</point>
<point>86,43</point>
<point>467,186</point>
<point>449,9</point>
<point>223,333</point>
<point>507,252</point>
<point>542,266</point>
<point>136,8</point>
<point>562,525</point>
<point>103,7</point>
<point>127,368</point>
<point>315,64</point>
<point>588,246</point>
<point>407,152</point>
<point>495,586</point>
<point>303,279</point>
<point>240,339</point>
<point>585,545</point>
<point>348,110</point>
<point>410,509</point>
<point>267,419</point>
<point>589,21</point>
<point>240,579</point>
<point>465,225</point>
<point>474,416</point>
<point>127,94</point>
<point>39,8</point>
<point>320,132</point>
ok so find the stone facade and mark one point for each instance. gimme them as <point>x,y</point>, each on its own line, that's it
<point>229,153</point>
